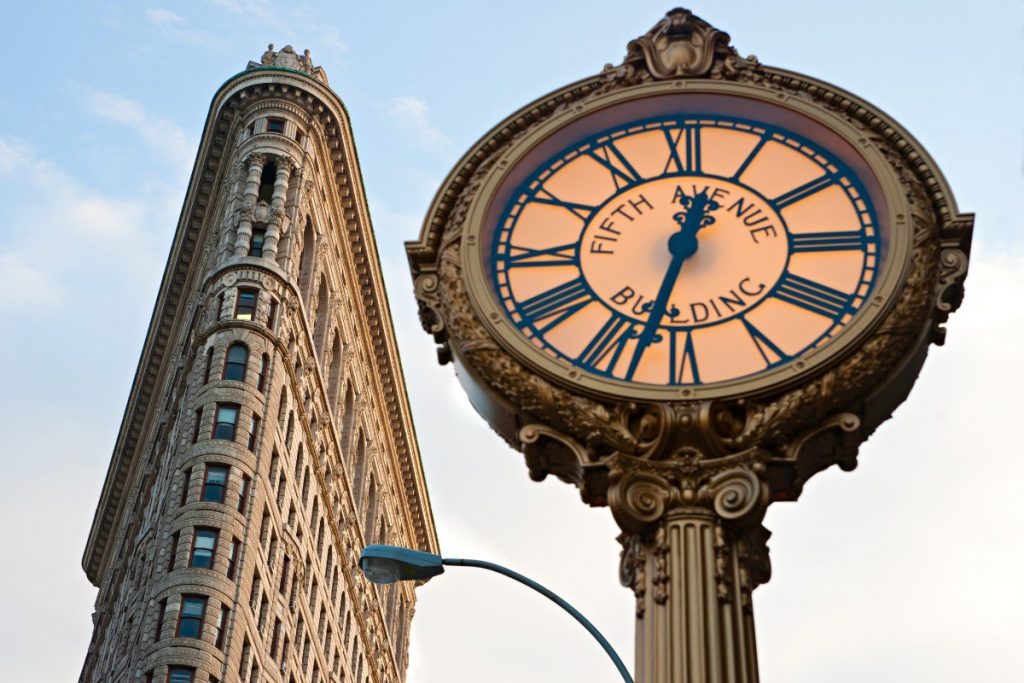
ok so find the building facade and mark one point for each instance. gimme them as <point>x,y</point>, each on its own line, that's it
<point>267,437</point>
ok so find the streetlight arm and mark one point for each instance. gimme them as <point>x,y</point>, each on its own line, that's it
<point>453,561</point>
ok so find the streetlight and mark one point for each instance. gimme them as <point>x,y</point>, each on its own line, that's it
<point>384,564</point>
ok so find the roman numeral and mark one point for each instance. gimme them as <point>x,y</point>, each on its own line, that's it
<point>827,241</point>
<point>674,163</point>
<point>770,351</point>
<point>678,365</point>
<point>803,192</point>
<point>622,172</point>
<point>524,257</point>
<point>581,211</point>
<point>692,149</point>
<point>609,341</point>
<point>750,157</point>
<point>556,304</point>
<point>812,296</point>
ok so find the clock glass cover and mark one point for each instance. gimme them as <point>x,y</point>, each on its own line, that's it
<point>685,249</point>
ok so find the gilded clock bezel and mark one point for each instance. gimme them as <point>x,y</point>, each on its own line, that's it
<point>490,311</point>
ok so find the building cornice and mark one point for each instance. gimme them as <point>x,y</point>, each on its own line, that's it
<point>185,265</point>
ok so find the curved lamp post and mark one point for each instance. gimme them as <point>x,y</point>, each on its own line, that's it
<point>384,564</point>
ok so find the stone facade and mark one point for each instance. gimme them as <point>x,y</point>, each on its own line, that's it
<point>267,437</point>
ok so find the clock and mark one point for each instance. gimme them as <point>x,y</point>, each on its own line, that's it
<point>686,284</point>
<point>684,244</point>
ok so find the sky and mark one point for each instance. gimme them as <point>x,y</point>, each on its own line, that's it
<point>906,569</point>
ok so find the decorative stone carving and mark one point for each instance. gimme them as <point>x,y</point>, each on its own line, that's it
<point>682,45</point>
<point>287,58</point>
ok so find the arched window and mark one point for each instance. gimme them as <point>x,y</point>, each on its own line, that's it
<point>306,260</point>
<point>335,374</point>
<point>290,431</point>
<point>346,422</point>
<point>360,463</point>
<point>320,326</point>
<point>262,377</point>
<point>282,406</point>
<point>370,513</point>
<point>209,364</point>
<point>235,362</point>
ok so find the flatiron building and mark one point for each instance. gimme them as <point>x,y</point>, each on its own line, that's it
<point>267,437</point>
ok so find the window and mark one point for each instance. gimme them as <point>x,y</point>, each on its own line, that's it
<point>275,125</point>
<point>264,606</point>
<point>180,674</point>
<point>209,364</point>
<point>246,653</point>
<point>267,179</point>
<point>222,623</point>
<point>284,574</point>
<point>204,547</point>
<point>214,484</point>
<point>243,492</point>
<point>190,618</point>
<point>272,315</point>
<point>259,235</point>
<point>186,478</point>
<point>277,638</point>
<point>227,419</point>
<point>232,557</point>
<point>195,428</point>
<point>173,554</point>
<point>161,607</point>
<point>262,376</point>
<point>235,361</point>
<point>254,427</point>
<point>245,306</point>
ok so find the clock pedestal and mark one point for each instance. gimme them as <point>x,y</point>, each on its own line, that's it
<point>530,270</point>
<point>690,502</point>
<point>694,621</point>
<point>693,550</point>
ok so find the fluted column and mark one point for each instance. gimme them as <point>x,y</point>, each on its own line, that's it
<point>277,213</point>
<point>694,620</point>
<point>693,551</point>
<point>252,189</point>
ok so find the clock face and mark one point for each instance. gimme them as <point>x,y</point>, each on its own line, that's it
<point>684,250</point>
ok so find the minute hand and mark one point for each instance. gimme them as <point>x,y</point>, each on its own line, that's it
<point>682,245</point>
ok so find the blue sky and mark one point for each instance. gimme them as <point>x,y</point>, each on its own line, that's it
<point>903,570</point>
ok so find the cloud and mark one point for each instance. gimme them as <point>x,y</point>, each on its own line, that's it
<point>23,286</point>
<point>289,22</point>
<point>176,26</point>
<point>61,228</point>
<point>411,115</point>
<point>163,17</point>
<point>161,134</point>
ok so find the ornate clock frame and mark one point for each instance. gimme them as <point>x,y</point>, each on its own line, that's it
<point>688,474</point>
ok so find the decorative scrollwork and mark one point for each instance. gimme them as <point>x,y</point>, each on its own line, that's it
<point>638,499</point>
<point>548,451</point>
<point>680,45</point>
<point>952,268</point>
<point>735,494</point>
<point>633,569</point>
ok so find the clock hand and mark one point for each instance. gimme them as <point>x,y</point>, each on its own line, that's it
<point>682,245</point>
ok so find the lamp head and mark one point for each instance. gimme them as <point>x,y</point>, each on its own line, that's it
<point>385,564</point>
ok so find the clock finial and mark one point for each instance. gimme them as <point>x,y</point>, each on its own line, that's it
<point>682,45</point>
